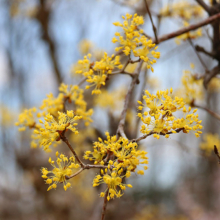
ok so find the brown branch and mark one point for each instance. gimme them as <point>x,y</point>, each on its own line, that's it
<point>104,205</point>
<point>202,50</point>
<point>152,23</point>
<point>75,174</point>
<point>217,153</point>
<point>210,75</point>
<point>43,18</point>
<point>64,139</point>
<point>189,28</point>
<point>198,55</point>
<point>204,5</point>
<point>152,132</point>
<point>217,116</point>
<point>120,129</point>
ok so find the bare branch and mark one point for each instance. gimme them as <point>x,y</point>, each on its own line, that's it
<point>64,139</point>
<point>152,23</point>
<point>202,50</point>
<point>152,132</point>
<point>217,116</point>
<point>210,75</point>
<point>189,28</point>
<point>198,55</point>
<point>204,5</point>
<point>75,174</point>
<point>120,129</point>
<point>217,153</point>
<point>104,205</point>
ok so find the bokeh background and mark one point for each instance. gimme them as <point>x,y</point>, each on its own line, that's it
<point>40,42</point>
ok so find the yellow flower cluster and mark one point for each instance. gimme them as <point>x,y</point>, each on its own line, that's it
<point>112,99</point>
<point>96,72</point>
<point>209,141</point>
<point>74,94</point>
<point>189,35</point>
<point>191,89</point>
<point>54,128</point>
<point>27,119</point>
<point>182,9</point>
<point>159,119</point>
<point>58,174</point>
<point>126,153</point>
<point>133,40</point>
<point>51,105</point>
<point>113,180</point>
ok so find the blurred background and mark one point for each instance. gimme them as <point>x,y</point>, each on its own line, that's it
<point>40,44</point>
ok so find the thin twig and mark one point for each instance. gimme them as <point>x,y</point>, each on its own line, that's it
<point>202,50</point>
<point>204,5</point>
<point>104,205</point>
<point>198,55</point>
<point>152,132</point>
<point>210,75</point>
<point>64,139</point>
<point>120,129</point>
<point>152,23</point>
<point>217,153</point>
<point>75,174</point>
<point>189,28</point>
<point>217,116</point>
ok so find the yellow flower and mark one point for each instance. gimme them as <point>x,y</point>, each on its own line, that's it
<point>107,64</point>
<point>159,119</point>
<point>52,105</point>
<point>54,128</point>
<point>74,94</point>
<point>113,180</point>
<point>191,89</point>
<point>27,119</point>
<point>182,9</point>
<point>65,168</point>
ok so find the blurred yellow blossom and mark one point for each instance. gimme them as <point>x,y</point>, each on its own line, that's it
<point>189,35</point>
<point>182,9</point>
<point>209,140</point>
<point>27,119</point>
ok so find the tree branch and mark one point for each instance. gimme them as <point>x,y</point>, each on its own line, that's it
<point>152,23</point>
<point>120,129</point>
<point>217,116</point>
<point>198,55</point>
<point>43,17</point>
<point>152,132</point>
<point>104,205</point>
<point>189,28</point>
<point>204,5</point>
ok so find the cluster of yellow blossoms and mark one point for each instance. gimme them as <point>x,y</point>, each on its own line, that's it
<point>54,128</point>
<point>74,94</point>
<point>116,156</point>
<point>27,119</point>
<point>191,88</point>
<point>159,118</point>
<point>209,141</point>
<point>133,40</point>
<point>65,168</point>
<point>97,72</point>
<point>182,9</point>
<point>126,159</point>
